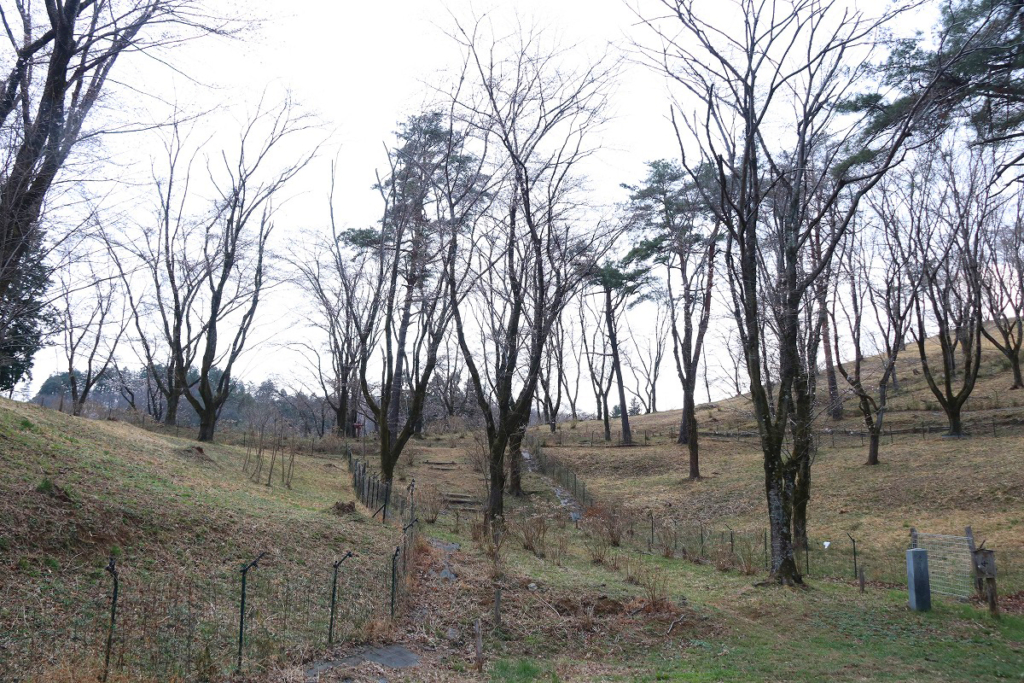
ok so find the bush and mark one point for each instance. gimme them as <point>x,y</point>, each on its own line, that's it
<point>666,538</point>
<point>532,531</point>
<point>610,522</point>
<point>597,547</point>
<point>654,583</point>
<point>480,453</point>
<point>430,502</point>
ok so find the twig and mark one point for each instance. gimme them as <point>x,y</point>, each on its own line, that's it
<point>673,625</point>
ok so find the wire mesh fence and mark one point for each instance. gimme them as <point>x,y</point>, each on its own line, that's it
<point>178,623</point>
<point>842,555</point>
<point>175,625</point>
<point>390,505</point>
<point>950,564</point>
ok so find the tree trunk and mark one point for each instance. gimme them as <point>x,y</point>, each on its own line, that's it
<point>690,425</point>
<point>496,498</point>
<point>607,420</point>
<point>801,497</point>
<point>803,451</point>
<point>395,390</point>
<point>171,416</point>
<point>835,403</point>
<point>780,512</point>
<point>873,448</point>
<point>207,422</point>
<point>627,436</point>
<point>684,426</point>
<point>515,464</point>
<point>956,426</point>
<point>1018,381</point>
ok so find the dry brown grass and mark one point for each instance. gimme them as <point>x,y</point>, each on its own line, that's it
<point>925,481</point>
<point>75,491</point>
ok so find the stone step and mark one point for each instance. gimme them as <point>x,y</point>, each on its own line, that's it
<point>451,495</point>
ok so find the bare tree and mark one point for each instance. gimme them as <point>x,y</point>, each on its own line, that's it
<point>1002,285</point>
<point>330,273</point>
<point>788,67</point>
<point>163,276</point>
<point>598,364</point>
<point>871,316</point>
<point>433,193</point>
<point>530,258</point>
<point>62,54</point>
<point>92,321</point>
<point>956,205</point>
<point>570,382</point>
<point>649,350</point>
<point>448,383</point>
<point>233,255</point>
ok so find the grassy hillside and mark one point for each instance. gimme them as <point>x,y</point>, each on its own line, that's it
<point>575,605</point>
<point>75,492</point>
<point>925,480</point>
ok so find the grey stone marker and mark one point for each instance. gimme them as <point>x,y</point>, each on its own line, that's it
<point>917,580</point>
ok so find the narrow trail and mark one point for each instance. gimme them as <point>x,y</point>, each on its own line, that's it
<point>565,498</point>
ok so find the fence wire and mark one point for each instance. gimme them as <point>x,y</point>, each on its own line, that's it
<point>950,567</point>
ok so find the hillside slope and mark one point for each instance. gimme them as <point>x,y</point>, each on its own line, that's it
<point>925,480</point>
<point>181,521</point>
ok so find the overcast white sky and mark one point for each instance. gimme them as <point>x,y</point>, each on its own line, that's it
<point>361,67</point>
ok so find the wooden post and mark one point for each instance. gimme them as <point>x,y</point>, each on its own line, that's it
<point>497,607</point>
<point>860,579</point>
<point>985,572</point>
<point>479,647</point>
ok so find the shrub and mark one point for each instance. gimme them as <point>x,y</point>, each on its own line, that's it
<point>561,549</point>
<point>532,531</point>
<point>430,502</point>
<point>597,548</point>
<point>480,453</point>
<point>666,538</point>
<point>654,583</point>
<point>610,522</point>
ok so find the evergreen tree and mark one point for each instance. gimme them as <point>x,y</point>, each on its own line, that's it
<point>25,320</point>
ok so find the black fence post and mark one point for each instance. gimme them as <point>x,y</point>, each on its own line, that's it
<point>412,499</point>
<point>241,612</point>
<point>650,546</point>
<point>112,569</point>
<point>854,541</point>
<point>334,595</point>
<point>766,550</point>
<point>394,578</point>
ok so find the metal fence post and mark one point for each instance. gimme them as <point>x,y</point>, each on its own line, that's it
<point>334,594</point>
<point>241,612</point>
<point>112,569</point>
<point>766,550</point>
<point>394,578</point>
<point>854,541</point>
<point>650,546</point>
